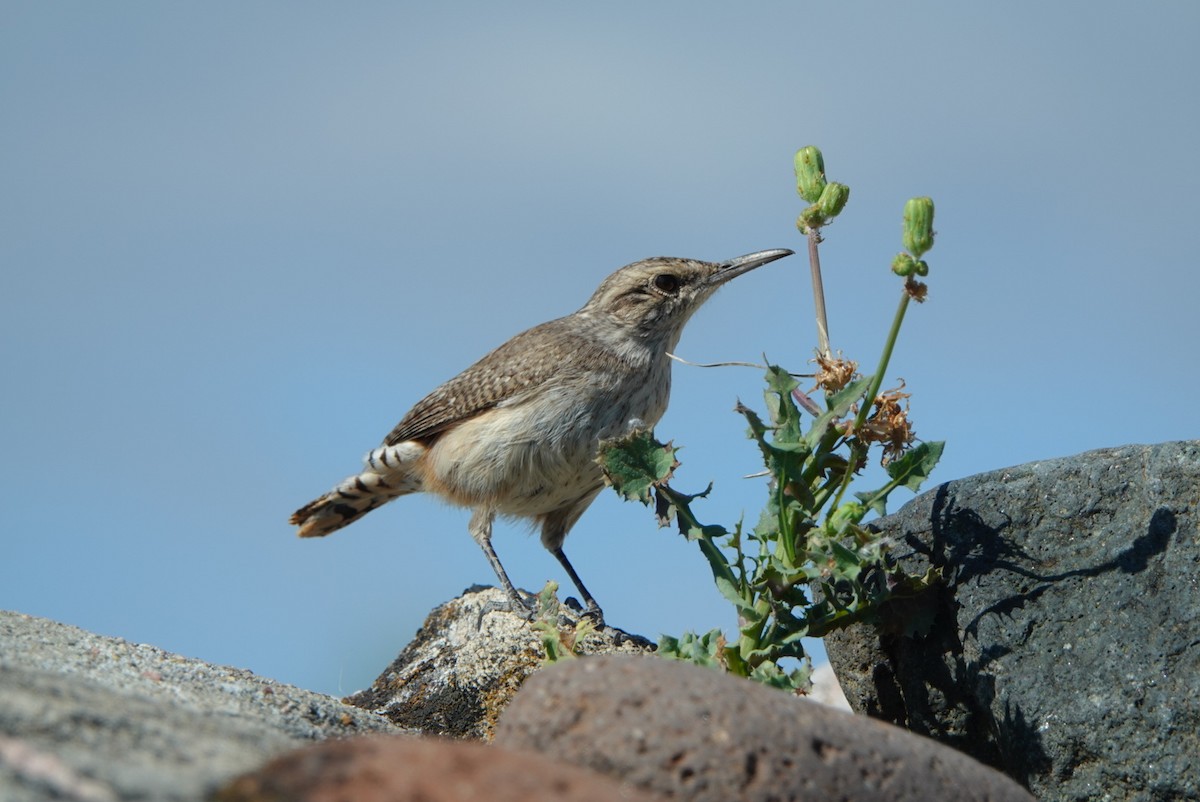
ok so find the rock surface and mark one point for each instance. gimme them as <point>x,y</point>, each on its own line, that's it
<point>693,733</point>
<point>467,661</point>
<point>86,717</point>
<point>1065,648</point>
<point>427,769</point>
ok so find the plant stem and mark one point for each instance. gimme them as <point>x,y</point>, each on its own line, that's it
<point>814,261</point>
<point>873,390</point>
<point>884,358</point>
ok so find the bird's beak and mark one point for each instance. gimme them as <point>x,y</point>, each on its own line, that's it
<point>735,267</point>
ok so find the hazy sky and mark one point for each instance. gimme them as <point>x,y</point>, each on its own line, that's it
<point>239,240</point>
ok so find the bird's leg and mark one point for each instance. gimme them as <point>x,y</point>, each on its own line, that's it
<point>593,610</point>
<point>480,528</point>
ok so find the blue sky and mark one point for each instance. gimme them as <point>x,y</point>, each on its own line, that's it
<point>239,240</point>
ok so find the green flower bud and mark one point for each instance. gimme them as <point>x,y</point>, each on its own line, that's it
<point>833,199</point>
<point>903,265</point>
<point>844,516</point>
<point>922,268</point>
<point>810,173</point>
<point>918,226</point>
<point>810,218</point>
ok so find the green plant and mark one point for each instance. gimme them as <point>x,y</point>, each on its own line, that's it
<point>809,566</point>
<point>559,643</point>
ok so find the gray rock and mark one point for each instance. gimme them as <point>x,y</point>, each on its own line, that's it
<point>466,662</point>
<point>85,717</point>
<point>425,769</point>
<point>693,733</point>
<point>1065,648</point>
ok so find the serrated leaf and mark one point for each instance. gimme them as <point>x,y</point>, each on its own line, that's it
<point>703,650</point>
<point>912,469</point>
<point>846,564</point>
<point>781,406</point>
<point>839,404</point>
<point>727,583</point>
<point>780,381</point>
<point>770,674</point>
<point>876,500</point>
<point>635,463</point>
<point>670,503</point>
<point>707,532</point>
<point>758,429</point>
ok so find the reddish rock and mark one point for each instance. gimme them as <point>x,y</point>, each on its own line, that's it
<point>402,769</point>
<point>693,733</point>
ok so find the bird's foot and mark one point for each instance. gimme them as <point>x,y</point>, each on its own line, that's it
<point>515,604</point>
<point>592,611</point>
<point>522,603</point>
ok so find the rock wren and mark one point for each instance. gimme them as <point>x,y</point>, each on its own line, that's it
<point>516,434</point>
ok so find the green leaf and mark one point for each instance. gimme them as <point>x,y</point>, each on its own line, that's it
<point>782,407</point>
<point>770,674</point>
<point>783,457</point>
<point>846,563</point>
<point>910,471</point>
<point>915,466</point>
<point>703,650</point>
<point>546,625</point>
<point>845,516</point>
<point>838,405</point>
<point>670,503</point>
<point>724,578</point>
<point>876,500</point>
<point>758,429</point>
<point>635,463</point>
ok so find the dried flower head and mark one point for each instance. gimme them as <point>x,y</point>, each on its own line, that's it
<point>834,372</point>
<point>917,290</point>
<point>889,424</point>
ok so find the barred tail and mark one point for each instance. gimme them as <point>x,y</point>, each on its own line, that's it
<point>388,472</point>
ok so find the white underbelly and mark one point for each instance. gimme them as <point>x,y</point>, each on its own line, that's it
<point>526,458</point>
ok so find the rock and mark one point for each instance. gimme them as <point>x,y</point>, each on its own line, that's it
<point>391,769</point>
<point>826,690</point>
<point>1065,647</point>
<point>467,661</point>
<point>693,733</point>
<point>85,717</point>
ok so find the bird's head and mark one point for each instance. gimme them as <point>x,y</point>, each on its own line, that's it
<point>655,297</point>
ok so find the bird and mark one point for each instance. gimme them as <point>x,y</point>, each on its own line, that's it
<point>516,434</point>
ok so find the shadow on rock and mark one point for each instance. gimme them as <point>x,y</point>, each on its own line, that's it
<point>1067,633</point>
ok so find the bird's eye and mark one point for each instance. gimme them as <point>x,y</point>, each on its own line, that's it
<point>665,282</point>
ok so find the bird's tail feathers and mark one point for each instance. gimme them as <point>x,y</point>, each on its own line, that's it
<point>388,472</point>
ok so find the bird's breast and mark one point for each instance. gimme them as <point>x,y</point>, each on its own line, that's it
<point>536,452</point>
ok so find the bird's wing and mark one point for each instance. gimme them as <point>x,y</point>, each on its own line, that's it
<point>520,365</point>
